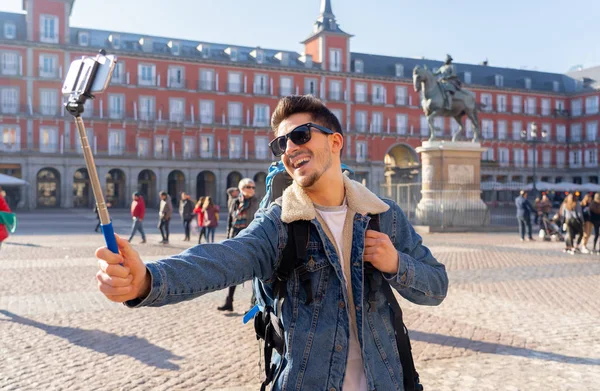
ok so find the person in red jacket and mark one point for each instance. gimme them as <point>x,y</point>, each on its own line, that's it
<point>138,211</point>
<point>3,208</point>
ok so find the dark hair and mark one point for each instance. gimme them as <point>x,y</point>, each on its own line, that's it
<point>163,193</point>
<point>136,194</point>
<point>295,104</point>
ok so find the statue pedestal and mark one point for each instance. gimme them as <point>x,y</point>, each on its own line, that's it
<point>451,193</point>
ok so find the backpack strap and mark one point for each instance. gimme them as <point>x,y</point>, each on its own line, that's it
<point>411,377</point>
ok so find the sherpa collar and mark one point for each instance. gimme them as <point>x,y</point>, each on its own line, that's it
<point>296,205</point>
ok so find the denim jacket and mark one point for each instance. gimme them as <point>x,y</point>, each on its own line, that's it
<point>317,334</point>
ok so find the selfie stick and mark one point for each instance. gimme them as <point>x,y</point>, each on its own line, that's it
<point>74,106</point>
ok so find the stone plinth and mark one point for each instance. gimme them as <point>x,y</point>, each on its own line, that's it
<point>451,193</point>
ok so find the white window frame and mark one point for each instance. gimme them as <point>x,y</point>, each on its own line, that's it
<point>487,129</point>
<point>83,38</point>
<point>188,147</point>
<point>399,70</point>
<point>360,92</point>
<point>233,141</point>
<point>235,88</point>
<point>501,103</point>
<point>467,77</point>
<point>576,133</point>
<point>206,109</point>
<point>118,75</point>
<point>591,105</point>
<point>146,78</point>
<point>8,132</point>
<point>261,88</point>
<point>546,158</point>
<point>176,76</point>
<point>591,157</point>
<point>424,125</point>
<point>527,83</point>
<point>360,120</point>
<point>546,104</point>
<point>143,147</point>
<point>561,133</point>
<point>555,86</point>
<point>289,90</point>
<point>401,95</point>
<point>379,94</point>
<point>261,115</point>
<point>44,71</point>
<point>118,148</point>
<point>261,147</point>
<point>207,146</point>
<point>561,158</point>
<point>307,85</point>
<point>546,128</point>
<point>517,127</point>
<point>499,80</point>
<point>146,108</point>
<point>576,107</point>
<point>117,112</point>
<point>486,99</point>
<point>48,30</point>
<point>161,146</point>
<point>10,30</point>
<point>9,63</point>
<point>335,60</point>
<point>52,145</point>
<point>503,157</point>
<point>335,93</point>
<point>519,157</point>
<point>402,123</point>
<point>207,79</point>
<point>238,118</point>
<point>361,151</point>
<point>9,100</point>
<point>576,158</point>
<point>530,105</point>
<point>502,130</point>
<point>591,131</point>
<point>177,110</point>
<point>488,155</point>
<point>376,122</point>
<point>517,104</point>
<point>359,66</point>
<point>48,101</point>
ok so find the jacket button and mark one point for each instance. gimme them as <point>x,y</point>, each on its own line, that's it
<point>341,304</point>
<point>311,262</point>
<point>339,348</point>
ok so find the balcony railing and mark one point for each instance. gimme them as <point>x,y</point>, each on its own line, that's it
<point>235,88</point>
<point>206,85</point>
<point>175,83</point>
<point>49,73</point>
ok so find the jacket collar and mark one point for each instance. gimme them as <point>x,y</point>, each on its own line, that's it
<point>296,205</point>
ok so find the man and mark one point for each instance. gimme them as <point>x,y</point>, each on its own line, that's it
<point>232,194</point>
<point>338,341</point>
<point>138,211</point>
<point>164,216</point>
<point>186,211</point>
<point>524,211</point>
<point>449,80</point>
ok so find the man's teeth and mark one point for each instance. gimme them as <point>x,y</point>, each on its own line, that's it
<point>298,163</point>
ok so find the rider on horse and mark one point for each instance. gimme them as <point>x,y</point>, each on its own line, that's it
<point>448,80</point>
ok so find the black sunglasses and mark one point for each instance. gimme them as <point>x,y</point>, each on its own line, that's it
<point>299,135</point>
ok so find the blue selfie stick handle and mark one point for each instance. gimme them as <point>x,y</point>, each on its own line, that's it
<point>109,237</point>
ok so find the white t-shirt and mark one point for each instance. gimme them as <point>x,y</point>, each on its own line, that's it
<point>355,379</point>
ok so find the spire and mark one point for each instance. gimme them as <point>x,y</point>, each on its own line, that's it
<point>326,21</point>
<point>326,12</point>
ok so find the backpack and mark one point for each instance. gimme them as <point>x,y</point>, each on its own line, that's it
<point>267,323</point>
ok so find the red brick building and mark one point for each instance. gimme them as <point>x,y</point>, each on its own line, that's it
<point>193,115</point>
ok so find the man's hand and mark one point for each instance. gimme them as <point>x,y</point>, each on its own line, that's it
<point>124,282</point>
<point>380,252</point>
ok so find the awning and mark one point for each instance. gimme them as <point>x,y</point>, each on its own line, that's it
<point>7,180</point>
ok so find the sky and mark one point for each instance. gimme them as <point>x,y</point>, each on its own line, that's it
<point>544,35</point>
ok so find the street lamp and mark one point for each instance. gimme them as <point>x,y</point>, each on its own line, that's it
<point>534,139</point>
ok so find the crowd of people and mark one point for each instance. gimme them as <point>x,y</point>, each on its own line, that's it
<point>575,220</point>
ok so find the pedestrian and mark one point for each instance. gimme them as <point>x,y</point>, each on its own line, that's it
<point>524,211</point>
<point>199,211</point>
<point>97,217</point>
<point>595,218</point>
<point>232,194</point>
<point>7,218</point>
<point>342,339</point>
<point>573,218</point>
<point>138,211</point>
<point>186,211</point>
<point>211,219</point>
<point>586,213</point>
<point>164,216</point>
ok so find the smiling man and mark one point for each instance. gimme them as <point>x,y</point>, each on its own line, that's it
<point>331,342</point>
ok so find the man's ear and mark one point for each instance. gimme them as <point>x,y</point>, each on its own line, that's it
<point>337,142</point>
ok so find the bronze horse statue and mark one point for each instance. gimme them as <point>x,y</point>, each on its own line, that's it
<point>433,102</point>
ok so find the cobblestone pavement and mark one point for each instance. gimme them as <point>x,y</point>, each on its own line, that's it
<point>519,316</point>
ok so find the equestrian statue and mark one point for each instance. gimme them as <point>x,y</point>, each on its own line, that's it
<point>445,97</point>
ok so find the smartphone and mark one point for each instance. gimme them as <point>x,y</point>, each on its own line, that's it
<point>90,75</point>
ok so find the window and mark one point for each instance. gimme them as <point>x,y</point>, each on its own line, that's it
<point>9,64</point>
<point>49,28</point>
<point>188,147</point>
<point>546,158</point>
<point>233,54</point>
<point>378,94</point>
<point>468,77</point>
<point>48,140</point>
<point>424,126</point>
<point>591,105</point>
<point>260,84</point>
<point>176,109</point>
<point>147,108</point>
<point>358,66</point>
<point>576,133</point>
<point>527,83</point>
<point>10,30</point>
<point>361,93</point>
<point>207,112</point>
<point>531,160</point>
<point>399,70</point>
<point>502,130</point>
<point>486,101</point>
<point>488,155</point>
<point>146,75</point>
<point>176,77</point>
<point>401,94</point>
<point>335,90</point>
<point>576,107</point>
<point>555,86</point>
<point>503,157</point>
<point>575,158</point>
<point>207,79</point>
<point>591,131</point>
<point>48,67</point>
<point>339,114</point>
<point>175,48</point>
<point>517,126</point>
<point>116,105</point>
<point>519,157</point>
<point>591,158</point>
<point>560,106</point>
<point>361,151</point>
<point>234,113</point>
<point>335,60</point>
<point>48,101</point>
<point>361,120</point>
<point>116,142</point>
<point>261,147</point>
<point>207,142</point>
<point>235,147</point>
<point>376,122</point>
<point>115,40</point>
<point>516,104</point>
<point>83,38</point>
<point>118,76</point>
<point>310,86</point>
<point>560,159</point>
<point>546,128</point>
<point>261,115</point>
<point>561,133</point>
<point>234,82</point>
<point>260,56</point>
<point>161,147</point>
<point>487,126</point>
<point>88,109</point>
<point>401,123</point>
<point>286,85</point>
<point>530,108</point>
<point>9,100</point>
<point>546,103</point>
<point>499,80</point>
<point>143,147</point>
<point>10,138</point>
<point>501,103</point>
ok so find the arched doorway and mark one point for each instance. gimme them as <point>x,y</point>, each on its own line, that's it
<point>115,188</point>
<point>82,190</point>
<point>206,185</point>
<point>147,187</point>
<point>402,164</point>
<point>260,180</point>
<point>48,188</point>
<point>175,185</point>
<point>233,179</point>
